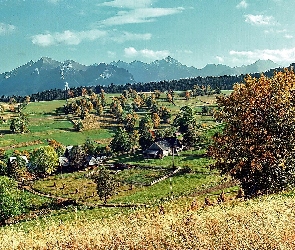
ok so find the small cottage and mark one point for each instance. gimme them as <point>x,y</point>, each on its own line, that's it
<point>158,150</point>
<point>164,147</point>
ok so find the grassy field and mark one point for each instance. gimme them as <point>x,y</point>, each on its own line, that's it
<point>263,223</point>
<point>175,215</point>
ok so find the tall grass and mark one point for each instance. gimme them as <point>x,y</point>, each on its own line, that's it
<point>266,223</point>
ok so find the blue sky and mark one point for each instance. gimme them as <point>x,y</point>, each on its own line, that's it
<point>195,32</point>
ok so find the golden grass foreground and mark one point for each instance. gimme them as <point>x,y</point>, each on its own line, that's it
<point>265,223</point>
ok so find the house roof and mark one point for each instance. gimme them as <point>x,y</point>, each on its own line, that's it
<point>163,145</point>
<point>13,158</point>
<point>63,161</point>
<point>151,152</point>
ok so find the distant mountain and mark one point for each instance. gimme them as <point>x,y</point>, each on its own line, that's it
<point>257,67</point>
<point>169,69</point>
<point>47,73</point>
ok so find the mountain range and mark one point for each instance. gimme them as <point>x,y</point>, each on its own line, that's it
<point>47,73</point>
<point>169,69</point>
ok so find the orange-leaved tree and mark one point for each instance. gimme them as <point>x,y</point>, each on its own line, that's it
<point>257,145</point>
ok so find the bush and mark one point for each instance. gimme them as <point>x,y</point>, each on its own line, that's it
<point>10,201</point>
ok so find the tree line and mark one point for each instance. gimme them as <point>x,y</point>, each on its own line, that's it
<point>216,83</point>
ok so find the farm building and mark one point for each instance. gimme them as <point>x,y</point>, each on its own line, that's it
<point>163,148</point>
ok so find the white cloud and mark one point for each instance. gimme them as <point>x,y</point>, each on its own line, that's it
<point>141,15</point>
<point>242,5</point>
<point>6,28</point>
<point>260,20</point>
<point>67,37</point>
<point>53,1</point>
<point>277,55</point>
<point>220,59</point>
<point>129,4</point>
<point>283,32</point>
<point>288,36</point>
<point>121,37</point>
<point>111,54</point>
<point>146,53</point>
<point>74,38</point>
<point>185,51</point>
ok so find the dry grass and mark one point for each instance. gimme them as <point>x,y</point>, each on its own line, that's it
<point>268,223</point>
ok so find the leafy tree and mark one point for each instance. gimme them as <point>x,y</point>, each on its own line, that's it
<point>185,118</point>
<point>77,157</point>
<point>44,160</point>
<point>90,147</point>
<point>20,123</point>
<point>205,110</point>
<point>17,168</point>
<point>150,101</point>
<point>165,114</point>
<point>146,139</point>
<point>78,125</point>
<point>3,162</point>
<point>146,123</point>
<point>129,121</point>
<point>105,184</point>
<point>156,120</point>
<point>134,139</point>
<point>59,148</point>
<point>258,141</point>
<point>11,203</point>
<point>121,141</point>
<point>191,138</point>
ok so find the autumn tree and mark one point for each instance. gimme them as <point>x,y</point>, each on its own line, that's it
<point>165,114</point>
<point>257,145</point>
<point>58,147</point>
<point>187,95</point>
<point>156,120</point>
<point>145,125</point>
<point>103,98</point>
<point>129,121</point>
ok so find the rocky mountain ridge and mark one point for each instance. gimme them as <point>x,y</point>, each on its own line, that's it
<point>47,73</point>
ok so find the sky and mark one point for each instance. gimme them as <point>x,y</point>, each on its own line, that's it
<point>195,32</point>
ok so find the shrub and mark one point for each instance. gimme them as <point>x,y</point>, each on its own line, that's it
<point>10,201</point>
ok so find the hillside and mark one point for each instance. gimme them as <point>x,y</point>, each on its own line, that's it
<point>265,223</point>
